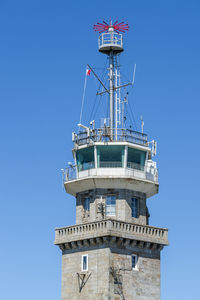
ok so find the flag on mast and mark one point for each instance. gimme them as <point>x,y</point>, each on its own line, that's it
<point>88,71</point>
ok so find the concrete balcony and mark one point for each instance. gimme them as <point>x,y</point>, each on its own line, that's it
<point>111,231</point>
<point>111,177</point>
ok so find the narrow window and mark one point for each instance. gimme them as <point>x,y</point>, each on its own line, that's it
<point>86,204</point>
<point>84,263</point>
<point>134,207</point>
<point>134,259</point>
<point>110,205</point>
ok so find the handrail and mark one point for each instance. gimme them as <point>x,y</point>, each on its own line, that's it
<point>132,170</point>
<point>110,38</point>
<point>132,165</point>
<point>103,134</point>
<point>110,164</point>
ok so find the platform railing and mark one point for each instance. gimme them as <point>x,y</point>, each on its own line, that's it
<point>110,39</point>
<point>86,166</point>
<point>132,165</point>
<point>110,164</point>
<point>132,170</point>
<point>103,134</point>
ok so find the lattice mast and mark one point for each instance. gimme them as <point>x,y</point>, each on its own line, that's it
<point>111,44</point>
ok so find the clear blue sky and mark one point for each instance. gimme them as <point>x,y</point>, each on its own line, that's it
<point>45,46</point>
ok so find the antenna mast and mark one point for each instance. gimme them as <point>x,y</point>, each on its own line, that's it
<point>111,43</point>
<point>111,91</point>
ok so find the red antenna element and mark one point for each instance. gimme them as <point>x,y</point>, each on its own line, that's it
<point>117,27</point>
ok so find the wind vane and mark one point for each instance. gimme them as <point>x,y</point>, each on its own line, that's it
<point>117,27</point>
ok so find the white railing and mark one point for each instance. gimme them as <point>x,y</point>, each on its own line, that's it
<point>135,166</point>
<point>148,172</point>
<point>110,164</point>
<point>86,166</point>
<point>110,39</point>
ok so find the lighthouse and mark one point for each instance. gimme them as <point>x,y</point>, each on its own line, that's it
<point>112,252</point>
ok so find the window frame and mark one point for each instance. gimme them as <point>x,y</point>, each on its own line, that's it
<point>84,202</point>
<point>82,263</point>
<point>136,262</point>
<point>82,158</point>
<point>136,207</point>
<point>110,206</point>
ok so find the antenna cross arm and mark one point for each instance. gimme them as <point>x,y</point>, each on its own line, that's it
<point>106,90</point>
<point>101,93</point>
<point>118,87</point>
<point>115,88</point>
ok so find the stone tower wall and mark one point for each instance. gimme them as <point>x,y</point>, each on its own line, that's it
<point>97,285</point>
<point>110,275</point>
<point>123,206</point>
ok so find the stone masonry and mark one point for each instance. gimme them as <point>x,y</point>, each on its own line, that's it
<point>110,275</point>
<point>123,205</point>
<point>110,243</point>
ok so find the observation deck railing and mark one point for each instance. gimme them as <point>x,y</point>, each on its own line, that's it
<point>110,164</point>
<point>132,165</point>
<point>110,39</point>
<point>148,172</point>
<point>86,166</point>
<point>103,135</point>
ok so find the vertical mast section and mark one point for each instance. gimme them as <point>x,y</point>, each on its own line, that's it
<point>111,89</point>
<point>111,44</point>
<point>117,96</point>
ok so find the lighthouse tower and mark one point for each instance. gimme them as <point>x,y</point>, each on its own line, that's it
<point>111,252</point>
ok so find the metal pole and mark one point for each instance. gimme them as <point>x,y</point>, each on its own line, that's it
<point>116,100</point>
<point>117,120</point>
<point>111,94</point>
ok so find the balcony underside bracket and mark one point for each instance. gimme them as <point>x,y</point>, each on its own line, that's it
<point>82,280</point>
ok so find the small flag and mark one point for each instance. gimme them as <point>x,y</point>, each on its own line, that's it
<point>88,71</point>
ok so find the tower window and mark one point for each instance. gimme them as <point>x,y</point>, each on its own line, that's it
<point>86,204</point>
<point>110,156</point>
<point>110,205</point>
<point>134,207</point>
<point>85,157</point>
<point>136,159</point>
<point>134,260</point>
<point>84,263</point>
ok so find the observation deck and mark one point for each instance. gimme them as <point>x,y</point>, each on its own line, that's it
<point>112,175</point>
<point>121,161</point>
<point>110,42</point>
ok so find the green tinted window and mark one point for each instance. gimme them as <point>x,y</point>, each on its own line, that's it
<point>110,156</point>
<point>136,158</point>
<point>85,158</point>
